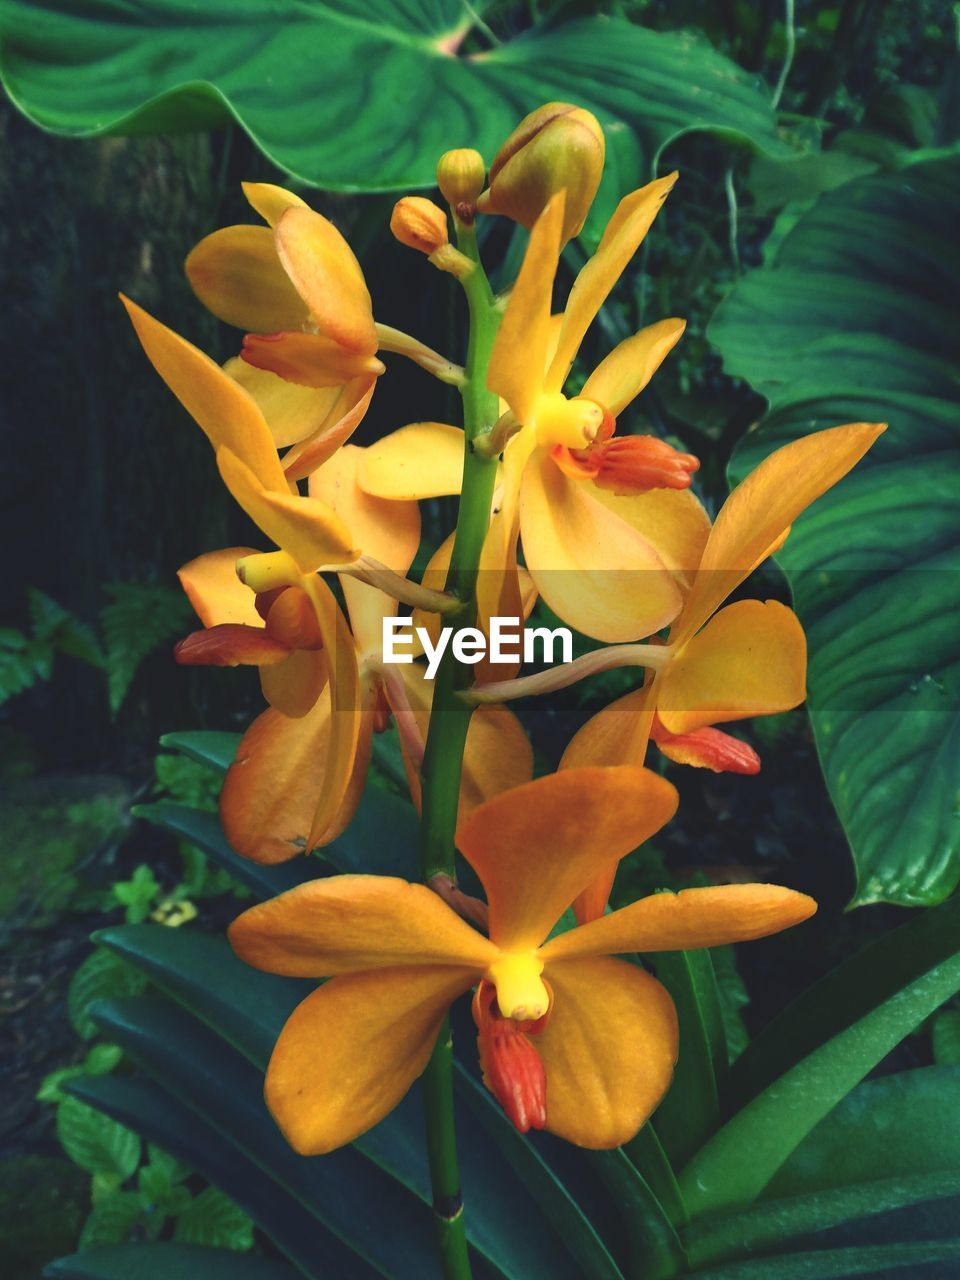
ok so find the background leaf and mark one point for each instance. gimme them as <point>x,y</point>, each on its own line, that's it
<point>100,1146</point>
<point>858,324</point>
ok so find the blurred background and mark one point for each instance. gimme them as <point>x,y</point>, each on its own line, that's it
<point>108,487</point>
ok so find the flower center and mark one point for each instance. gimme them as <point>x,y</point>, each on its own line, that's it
<point>521,994</point>
<point>574,423</point>
<point>512,1068</point>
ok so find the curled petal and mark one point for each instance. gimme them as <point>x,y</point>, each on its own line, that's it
<point>335,430</point>
<point>292,412</point>
<point>308,359</point>
<point>346,924</point>
<point>536,846</point>
<point>230,644</point>
<point>328,278</point>
<point>216,593</point>
<point>350,1052</point>
<point>236,274</point>
<point>271,201</point>
<point>608,1047</point>
<point>686,921</point>
<point>706,749</point>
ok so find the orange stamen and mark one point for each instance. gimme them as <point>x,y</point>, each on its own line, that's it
<point>706,748</point>
<point>629,464</point>
<point>513,1070</point>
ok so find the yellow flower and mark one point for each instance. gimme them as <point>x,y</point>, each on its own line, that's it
<point>604,1030</point>
<point>607,525</point>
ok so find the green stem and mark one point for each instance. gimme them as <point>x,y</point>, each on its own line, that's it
<point>446,737</point>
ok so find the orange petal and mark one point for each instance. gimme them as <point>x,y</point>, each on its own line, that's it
<point>343,420</point>
<point>537,846</point>
<point>519,354</point>
<point>672,520</point>
<point>236,274</point>
<point>345,924</point>
<point>350,1052</point>
<point>294,686</point>
<point>388,531</point>
<point>307,359</point>
<point>303,527</point>
<point>216,593</point>
<point>630,223</point>
<point>704,749</point>
<point>226,413</point>
<point>593,570</point>
<point>760,510</point>
<point>422,460</point>
<point>749,660</point>
<point>628,368</point>
<point>687,921</point>
<point>609,1048</point>
<point>434,577</point>
<point>292,413</point>
<point>497,757</point>
<point>616,735</point>
<point>271,201</point>
<point>328,278</point>
<point>230,644</point>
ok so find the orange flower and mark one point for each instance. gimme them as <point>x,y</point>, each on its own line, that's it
<point>602,1030</point>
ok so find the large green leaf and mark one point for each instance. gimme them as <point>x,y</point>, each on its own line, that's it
<point>858,321</point>
<point>810,1057</point>
<point>358,94</point>
<point>166,1262</point>
<point>915,1260</point>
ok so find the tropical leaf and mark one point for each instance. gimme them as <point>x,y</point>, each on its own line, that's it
<point>858,324</point>
<point>360,95</point>
<point>166,1262</point>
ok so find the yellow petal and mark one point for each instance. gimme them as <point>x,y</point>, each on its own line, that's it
<point>216,593</point>
<point>614,735</point>
<point>535,847</point>
<point>271,201</point>
<point>686,921</point>
<point>293,686</point>
<point>628,368</point>
<point>292,412</point>
<point>345,924</point>
<point>630,223</point>
<point>422,460</point>
<point>434,577</point>
<point>236,274</point>
<point>350,1052</point>
<point>388,531</point>
<point>225,412</point>
<point>520,350</point>
<point>328,278</point>
<point>761,508</point>
<point>749,660</point>
<point>339,426</point>
<point>672,520</point>
<point>308,359</point>
<point>303,527</point>
<point>496,758</point>
<point>593,570</point>
<point>608,1048</point>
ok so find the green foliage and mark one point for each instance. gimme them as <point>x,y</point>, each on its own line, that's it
<point>855,308</point>
<point>266,68</point>
<point>28,657</point>
<point>139,618</point>
<point>100,976</point>
<point>102,1147</point>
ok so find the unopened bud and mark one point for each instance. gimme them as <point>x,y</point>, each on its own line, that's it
<point>419,224</point>
<point>557,147</point>
<point>460,177</point>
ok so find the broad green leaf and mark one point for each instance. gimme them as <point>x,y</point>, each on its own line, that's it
<point>818,1050</point>
<point>213,1218</point>
<point>111,1220</point>
<point>292,1228</point>
<point>207,746</point>
<point>166,1262</point>
<point>655,1249</point>
<point>946,1038</point>
<point>360,96</point>
<point>248,1009</point>
<point>99,1146</point>
<point>858,322</point>
<point>690,1111</point>
<point>914,1260</point>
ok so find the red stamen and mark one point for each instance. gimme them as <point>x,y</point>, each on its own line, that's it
<point>630,464</point>
<point>513,1070</point>
<point>706,748</point>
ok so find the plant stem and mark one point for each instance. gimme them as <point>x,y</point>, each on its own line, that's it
<point>446,737</point>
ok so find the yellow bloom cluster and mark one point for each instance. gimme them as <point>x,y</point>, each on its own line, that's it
<point>604,527</point>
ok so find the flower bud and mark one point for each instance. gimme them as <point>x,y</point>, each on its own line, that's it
<point>460,177</point>
<point>419,224</point>
<point>557,147</point>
